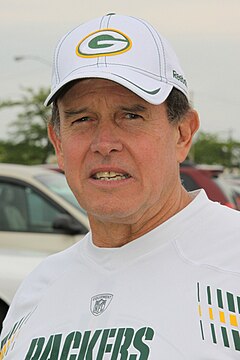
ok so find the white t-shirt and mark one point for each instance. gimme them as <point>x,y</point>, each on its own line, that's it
<point>172,294</point>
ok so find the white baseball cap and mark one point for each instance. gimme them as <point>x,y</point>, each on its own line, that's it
<point>124,49</point>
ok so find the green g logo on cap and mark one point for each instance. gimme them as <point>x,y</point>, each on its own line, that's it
<point>105,42</point>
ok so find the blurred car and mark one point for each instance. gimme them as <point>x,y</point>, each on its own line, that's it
<point>39,216</point>
<point>234,184</point>
<point>15,265</point>
<point>38,210</point>
<point>52,166</point>
<point>212,181</point>
<point>232,190</point>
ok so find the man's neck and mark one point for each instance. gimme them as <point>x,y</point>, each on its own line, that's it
<point>118,233</point>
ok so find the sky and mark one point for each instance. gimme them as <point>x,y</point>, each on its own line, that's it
<point>205,35</point>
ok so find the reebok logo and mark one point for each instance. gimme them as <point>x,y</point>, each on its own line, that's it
<point>179,77</point>
<point>105,42</point>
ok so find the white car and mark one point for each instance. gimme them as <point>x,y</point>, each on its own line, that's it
<point>38,216</point>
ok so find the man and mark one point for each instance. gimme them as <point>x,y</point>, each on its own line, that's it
<point>158,276</point>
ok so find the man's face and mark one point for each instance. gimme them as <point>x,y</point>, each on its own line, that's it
<point>119,152</point>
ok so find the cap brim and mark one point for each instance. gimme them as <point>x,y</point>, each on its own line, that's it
<point>148,87</point>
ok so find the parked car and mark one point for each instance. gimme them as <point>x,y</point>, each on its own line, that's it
<point>38,216</point>
<point>212,181</point>
<point>232,190</point>
<point>38,210</point>
<point>234,183</point>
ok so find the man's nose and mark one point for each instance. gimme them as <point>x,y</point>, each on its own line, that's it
<point>106,140</point>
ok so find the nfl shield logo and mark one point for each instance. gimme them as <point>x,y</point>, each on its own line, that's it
<point>99,303</point>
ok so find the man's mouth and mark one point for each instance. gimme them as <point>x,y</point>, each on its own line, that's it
<point>110,176</point>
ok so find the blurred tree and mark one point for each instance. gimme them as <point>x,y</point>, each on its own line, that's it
<point>210,149</point>
<point>27,137</point>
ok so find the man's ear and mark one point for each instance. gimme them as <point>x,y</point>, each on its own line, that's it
<point>57,144</point>
<point>187,127</point>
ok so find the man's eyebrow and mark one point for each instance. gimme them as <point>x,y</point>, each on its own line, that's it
<point>134,108</point>
<point>131,108</point>
<point>73,112</point>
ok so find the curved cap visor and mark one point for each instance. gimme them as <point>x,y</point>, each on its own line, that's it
<point>151,90</point>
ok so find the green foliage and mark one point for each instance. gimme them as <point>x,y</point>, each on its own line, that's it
<point>28,141</point>
<point>210,149</point>
<point>21,153</point>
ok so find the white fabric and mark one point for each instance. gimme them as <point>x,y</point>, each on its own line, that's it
<point>172,294</point>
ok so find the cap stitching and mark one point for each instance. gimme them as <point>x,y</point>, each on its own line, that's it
<point>100,27</point>
<point>136,69</point>
<point>164,55</point>
<point>150,29</point>
<point>58,50</point>
<point>108,22</point>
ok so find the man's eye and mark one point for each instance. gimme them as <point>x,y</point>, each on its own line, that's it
<point>132,116</point>
<point>82,120</point>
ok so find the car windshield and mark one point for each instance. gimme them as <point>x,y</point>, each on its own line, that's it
<point>57,183</point>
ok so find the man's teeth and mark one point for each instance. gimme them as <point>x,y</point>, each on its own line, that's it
<point>110,175</point>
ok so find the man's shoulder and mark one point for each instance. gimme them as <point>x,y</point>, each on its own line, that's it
<point>213,238</point>
<point>40,279</point>
<point>53,266</point>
